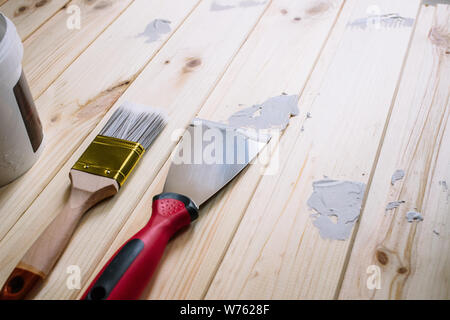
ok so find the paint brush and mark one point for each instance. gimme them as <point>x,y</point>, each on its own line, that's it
<point>98,174</point>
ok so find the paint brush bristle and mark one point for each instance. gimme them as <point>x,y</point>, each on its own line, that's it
<point>136,123</point>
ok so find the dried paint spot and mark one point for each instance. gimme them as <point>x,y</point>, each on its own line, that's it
<point>397,175</point>
<point>445,188</point>
<point>156,29</point>
<point>284,12</point>
<point>340,199</point>
<point>273,113</point>
<point>412,216</point>
<point>378,21</point>
<point>433,2</point>
<point>250,3</point>
<point>394,205</point>
<point>382,257</point>
<point>220,5</point>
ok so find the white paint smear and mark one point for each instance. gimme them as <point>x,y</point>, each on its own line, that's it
<point>394,205</point>
<point>389,20</point>
<point>274,113</point>
<point>340,199</point>
<point>398,175</point>
<point>414,216</point>
<point>155,29</point>
<point>219,5</point>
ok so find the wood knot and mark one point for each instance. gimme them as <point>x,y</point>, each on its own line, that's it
<point>283,12</point>
<point>20,11</point>
<point>297,19</point>
<point>119,85</point>
<point>102,5</point>
<point>41,3</point>
<point>191,64</point>
<point>402,270</point>
<point>318,8</point>
<point>167,62</point>
<point>440,38</point>
<point>382,257</point>
<point>55,118</point>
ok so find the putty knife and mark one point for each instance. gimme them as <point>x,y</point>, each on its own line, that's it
<point>209,156</point>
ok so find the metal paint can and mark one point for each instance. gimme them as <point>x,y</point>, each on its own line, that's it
<point>21,134</point>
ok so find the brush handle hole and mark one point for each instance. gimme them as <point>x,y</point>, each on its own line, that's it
<point>19,284</point>
<point>98,293</point>
<point>15,285</point>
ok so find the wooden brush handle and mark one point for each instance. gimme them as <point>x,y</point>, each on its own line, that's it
<point>36,264</point>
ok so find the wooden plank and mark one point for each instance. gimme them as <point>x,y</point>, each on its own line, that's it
<point>414,258</point>
<point>29,15</point>
<point>53,47</point>
<point>172,81</point>
<point>191,259</point>
<point>74,104</point>
<point>349,97</point>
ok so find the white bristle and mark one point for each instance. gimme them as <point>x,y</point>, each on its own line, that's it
<point>134,122</point>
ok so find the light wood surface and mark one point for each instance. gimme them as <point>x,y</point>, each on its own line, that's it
<point>378,100</point>
<point>283,249</point>
<point>413,257</point>
<point>53,47</point>
<point>29,15</point>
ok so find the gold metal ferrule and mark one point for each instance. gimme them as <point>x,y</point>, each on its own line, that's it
<point>110,157</point>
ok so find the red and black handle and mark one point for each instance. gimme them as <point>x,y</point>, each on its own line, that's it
<point>129,270</point>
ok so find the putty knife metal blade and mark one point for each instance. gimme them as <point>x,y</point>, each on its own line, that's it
<point>202,166</point>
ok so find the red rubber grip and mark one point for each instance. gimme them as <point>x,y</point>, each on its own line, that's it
<point>130,269</point>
